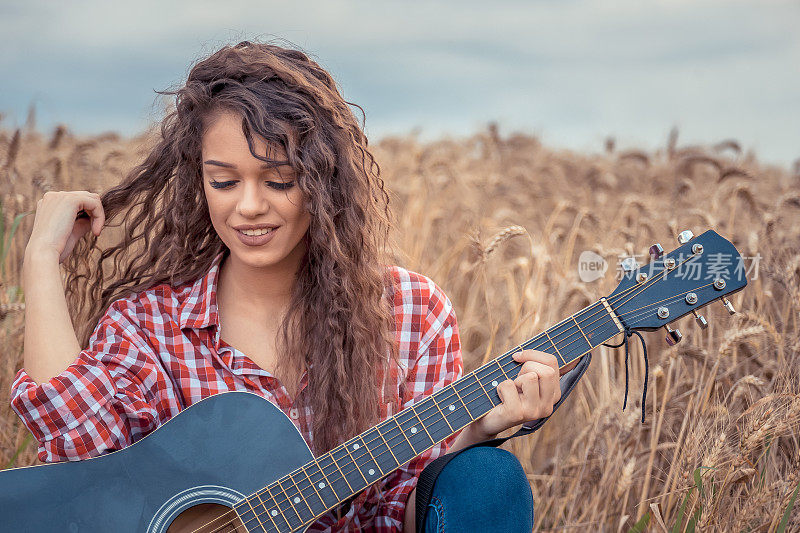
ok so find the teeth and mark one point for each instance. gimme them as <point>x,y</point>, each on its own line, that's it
<point>256,232</point>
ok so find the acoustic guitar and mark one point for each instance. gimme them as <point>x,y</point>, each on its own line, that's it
<point>235,462</point>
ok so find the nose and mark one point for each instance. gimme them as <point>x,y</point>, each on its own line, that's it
<point>253,201</point>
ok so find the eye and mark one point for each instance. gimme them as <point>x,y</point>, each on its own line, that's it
<point>281,185</point>
<point>277,185</point>
<point>220,184</point>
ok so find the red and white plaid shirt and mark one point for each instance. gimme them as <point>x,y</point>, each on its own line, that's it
<point>159,351</point>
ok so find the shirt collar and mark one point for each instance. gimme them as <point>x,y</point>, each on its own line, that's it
<point>199,309</point>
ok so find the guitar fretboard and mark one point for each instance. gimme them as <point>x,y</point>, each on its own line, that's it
<point>295,500</point>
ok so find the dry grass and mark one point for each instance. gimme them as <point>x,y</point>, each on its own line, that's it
<point>499,223</point>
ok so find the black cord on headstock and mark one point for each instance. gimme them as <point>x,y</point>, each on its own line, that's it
<point>628,332</point>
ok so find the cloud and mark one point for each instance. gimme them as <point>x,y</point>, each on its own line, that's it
<point>575,71</point>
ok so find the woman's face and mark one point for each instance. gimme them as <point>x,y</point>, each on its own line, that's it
<point>242,191</point>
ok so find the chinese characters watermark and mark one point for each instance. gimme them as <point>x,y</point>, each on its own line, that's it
<point>592,266</point>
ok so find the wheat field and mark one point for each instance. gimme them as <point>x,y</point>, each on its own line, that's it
<point>498,221</point>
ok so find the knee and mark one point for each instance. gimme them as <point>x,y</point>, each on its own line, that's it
<point>492,470</point>
<point>491,482</point>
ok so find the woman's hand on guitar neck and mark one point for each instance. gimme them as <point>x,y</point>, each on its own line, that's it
<point>531,395</point>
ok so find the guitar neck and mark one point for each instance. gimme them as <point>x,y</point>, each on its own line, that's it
<point>298,498</point>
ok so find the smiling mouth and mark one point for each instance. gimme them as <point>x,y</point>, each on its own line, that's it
<point>256,232</point>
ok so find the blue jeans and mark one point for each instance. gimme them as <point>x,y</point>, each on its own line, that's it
<point>482,489</point>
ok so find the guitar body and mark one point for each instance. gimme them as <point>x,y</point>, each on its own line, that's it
<point>200,463</point>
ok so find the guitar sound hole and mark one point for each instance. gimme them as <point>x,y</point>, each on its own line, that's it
<point>207,518</point>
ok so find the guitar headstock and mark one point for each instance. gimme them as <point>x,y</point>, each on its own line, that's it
<point>703,269</point>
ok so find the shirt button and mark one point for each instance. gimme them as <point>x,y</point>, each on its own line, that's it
<point>293,413</point>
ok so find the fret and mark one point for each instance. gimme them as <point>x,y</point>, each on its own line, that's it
<point>365,464</point>
<point>457,407</point>
<point>283,500</point>
<point>581,330</point>
<point>260,511</point>
<point>557,354</point>
<point>413,428</point>
<point>464,404</point>
<point>335,462</point>
<point>321,484</point>
<point>570,341</point>
<point>433,397</point>
<point>264,512</point>
<point>258,520</point>
<point>388,447</point>
<point>412,452</point>
<point>454,408</point>
<point>296,498</point>
<point>248,516</point>
<point>326,483</point>
<point>432,419</point>
<point>491,380</point>
<point>598,325</point>
<point>497,362</point>
<point>276,511</point>
<point>322,505</point>
<point>333,475</point>
<point>476,406</point>
<point>349,466</point>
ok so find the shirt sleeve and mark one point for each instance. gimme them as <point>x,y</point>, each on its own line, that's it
<point>102,402</point>
<point>439,364</point>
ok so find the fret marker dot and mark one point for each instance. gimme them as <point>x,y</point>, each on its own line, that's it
<point>296,499</point>
<point>355,446</point>
<point>371,471</point>
<point>494,383</point>
<point>274,512</point>
<point>321,485</point>
<point>414,429</point>
<point>452,407</point>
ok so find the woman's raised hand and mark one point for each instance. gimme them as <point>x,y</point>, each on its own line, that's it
<point>58,227</point>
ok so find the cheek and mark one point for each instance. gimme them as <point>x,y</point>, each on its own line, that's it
<point>293,206</point>
<point>218,208</point>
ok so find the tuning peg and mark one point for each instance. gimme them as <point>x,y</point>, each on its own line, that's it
<point>728,305</point>
<point>656,251</point>
<point>701,320</point>
<point>685,236</point>
<point>673,335</point>
<point>629,264</point>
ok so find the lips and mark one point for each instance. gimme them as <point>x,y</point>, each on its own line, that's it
<point>256,240</point>
<point>254,226</point>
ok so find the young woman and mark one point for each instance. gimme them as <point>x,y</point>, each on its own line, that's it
<point>252,259</point>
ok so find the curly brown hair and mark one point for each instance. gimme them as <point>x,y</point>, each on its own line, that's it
<point>339,318</point>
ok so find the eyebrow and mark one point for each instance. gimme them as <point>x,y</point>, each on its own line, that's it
<point>230,165</point>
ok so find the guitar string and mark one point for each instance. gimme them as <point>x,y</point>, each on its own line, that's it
<point>334,463</point>
<point>428,407</point>
<point>467,394</point>
<point>662,275</point>
<point>470,392</point>
<point>278,483</point>
<point>392,437</point>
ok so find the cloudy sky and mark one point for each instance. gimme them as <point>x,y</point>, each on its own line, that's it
<point>570,71</point>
